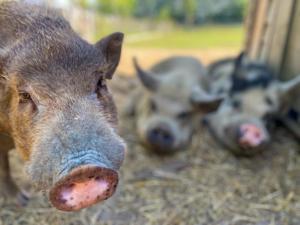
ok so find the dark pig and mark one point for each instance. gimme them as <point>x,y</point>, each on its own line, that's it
<point>56,109</point>
<point>237,74</point>
<point>169,104</point>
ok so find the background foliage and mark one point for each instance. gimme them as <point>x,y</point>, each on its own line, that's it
<point>182,11</point>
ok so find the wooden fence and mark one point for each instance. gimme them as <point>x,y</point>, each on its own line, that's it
<point>273,35</point>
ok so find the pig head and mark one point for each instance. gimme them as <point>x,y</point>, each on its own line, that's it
<point>56,106</point>
<point>241,124</point>
<point>170,103</point>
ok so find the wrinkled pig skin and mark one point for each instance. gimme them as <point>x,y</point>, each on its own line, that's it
<point>56,109</point>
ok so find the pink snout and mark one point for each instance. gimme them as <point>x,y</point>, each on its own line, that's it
<point>251,136</point>
<point>83,187</point>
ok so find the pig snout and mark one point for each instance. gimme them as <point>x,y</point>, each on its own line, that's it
<point>161,138</point>
<point>251,136</point>
<point>84,186</point>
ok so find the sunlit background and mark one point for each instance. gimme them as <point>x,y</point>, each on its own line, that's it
<point>155,29</point>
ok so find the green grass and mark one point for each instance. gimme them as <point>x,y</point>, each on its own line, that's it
<point>149,34</point>
<point>210,36</point>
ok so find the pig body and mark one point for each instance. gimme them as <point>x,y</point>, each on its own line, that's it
<point>291,119</point>
<point>56,109</point>
<point>170,102</point>
<point>254,99</point>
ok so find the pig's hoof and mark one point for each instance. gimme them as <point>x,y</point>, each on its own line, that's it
<point>22,198</point>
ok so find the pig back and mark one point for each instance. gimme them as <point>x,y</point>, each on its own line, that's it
<point>188,65</point>
<point>18,19</point>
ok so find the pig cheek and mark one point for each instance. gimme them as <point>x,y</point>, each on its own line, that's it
<point>182,137</point>
<point>226,135</point>
<point>142,126</point>
<point>109,109</point>
<point>45,158</point>
<point>22,131</point>
<point>41,167</point>
<point>142,132</point>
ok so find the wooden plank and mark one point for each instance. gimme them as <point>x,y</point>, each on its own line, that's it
<point>250,23</point>
<point>269,31</point>
<point>262,9</point>
<point>282,21</point>
<point>291,62</point>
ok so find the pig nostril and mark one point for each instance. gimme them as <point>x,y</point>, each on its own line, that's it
<point>166,136</point>
<point>62,201</point>
<point>204,122</point>
<point>160,136</point>
<point>156,133</point>
<point>70,186</point>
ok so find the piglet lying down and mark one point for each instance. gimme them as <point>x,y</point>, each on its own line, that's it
<point>56,109</point>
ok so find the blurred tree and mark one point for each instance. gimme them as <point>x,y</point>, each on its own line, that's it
<point>83,3</point>
<point>122,7</point>
<point>182,11</point>
<point>231,12</point>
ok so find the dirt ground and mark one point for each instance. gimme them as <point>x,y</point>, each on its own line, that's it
<point>203,185</point>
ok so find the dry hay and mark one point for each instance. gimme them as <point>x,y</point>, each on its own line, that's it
<point>204,185</point>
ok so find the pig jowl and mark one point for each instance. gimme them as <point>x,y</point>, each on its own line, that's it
<point>56,107</point>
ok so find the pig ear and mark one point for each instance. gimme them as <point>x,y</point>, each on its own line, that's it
<point>148,79</point>
<point>111,47</point>
<point>238,64</point>
<point>205,102</point>
<point>289,87</point>
<point>239,60</point>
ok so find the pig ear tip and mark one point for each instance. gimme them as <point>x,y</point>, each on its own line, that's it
<point>135,62</point>
<point>118,36</point>
<point>134,59</point>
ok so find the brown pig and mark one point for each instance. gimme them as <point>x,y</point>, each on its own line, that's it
<point>56,109</point>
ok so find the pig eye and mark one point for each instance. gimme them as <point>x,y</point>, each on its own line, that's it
<point>102,84</point>
<point>236,104</point>
<point>269,101</point>
<point>24,97</point>
<point>184,115</point>
<point>153,106</point>
<point>101,87</point>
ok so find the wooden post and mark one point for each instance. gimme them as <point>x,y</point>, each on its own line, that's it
<point>275,34</point>
<point>250,24</point>
<point>259,28</point>
<point>280,31</point>
<point>291,59</point>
